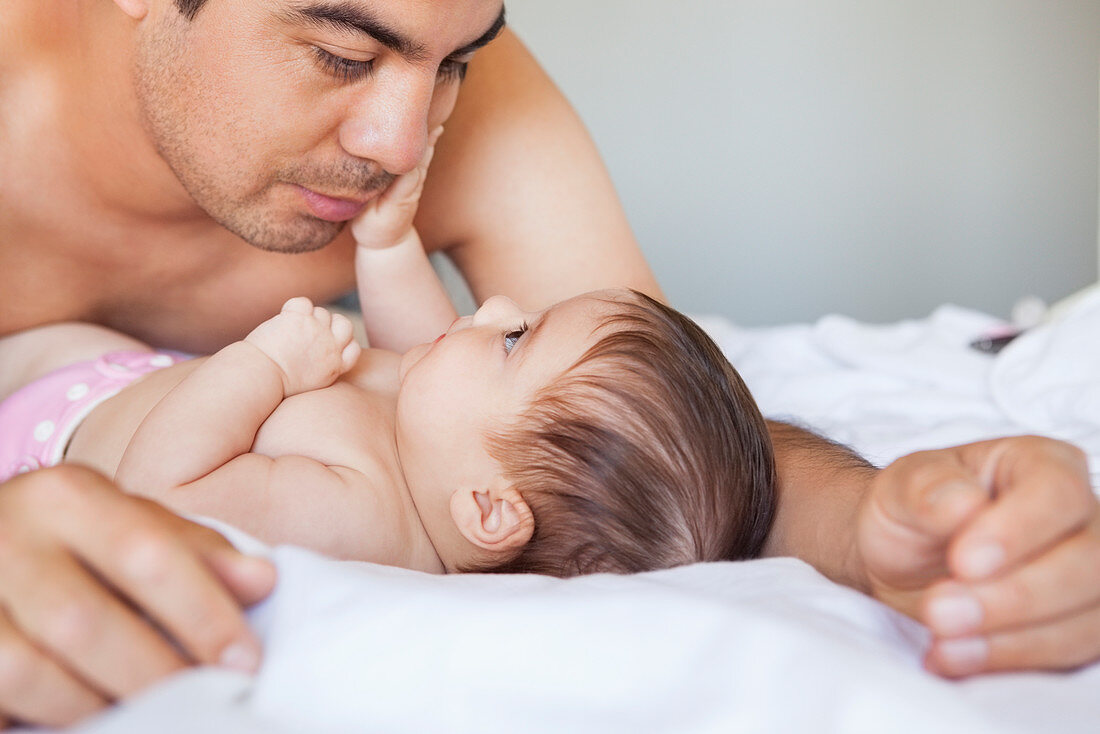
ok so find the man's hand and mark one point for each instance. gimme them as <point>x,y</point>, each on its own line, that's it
<point>388,219</point>
<point>104,594</point>
<point>310,345</point>
<point>996,547</point>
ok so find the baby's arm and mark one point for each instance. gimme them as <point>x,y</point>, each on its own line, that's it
<point>213,415</point>
<point>403,302</point>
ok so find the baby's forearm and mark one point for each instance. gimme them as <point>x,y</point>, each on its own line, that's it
<point>211,417</point>
<point>403,301</point>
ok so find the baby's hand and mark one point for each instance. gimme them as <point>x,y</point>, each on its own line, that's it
<point>388,218</point>
<point>310,346</point>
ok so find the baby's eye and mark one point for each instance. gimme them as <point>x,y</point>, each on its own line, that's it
<point>511,337</point>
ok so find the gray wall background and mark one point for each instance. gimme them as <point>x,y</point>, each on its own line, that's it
<point>780,159</point>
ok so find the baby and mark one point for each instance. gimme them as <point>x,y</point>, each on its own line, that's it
<point>606,433</point>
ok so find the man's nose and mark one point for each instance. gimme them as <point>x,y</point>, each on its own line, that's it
<point>495,310</point>
<point>389,126</point>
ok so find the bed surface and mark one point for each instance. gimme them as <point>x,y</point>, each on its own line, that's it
<point>759,646</point>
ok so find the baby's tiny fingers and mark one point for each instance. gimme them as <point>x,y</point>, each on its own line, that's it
<point>323,316</point>
<point>350,355</point>
<point>299,304</point>
<point>342,330</point>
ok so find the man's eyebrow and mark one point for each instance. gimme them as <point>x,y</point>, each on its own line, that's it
<point>483,40</point>
<point>346,16</point>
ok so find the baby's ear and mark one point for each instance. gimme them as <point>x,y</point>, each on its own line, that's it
<point>496,521</point>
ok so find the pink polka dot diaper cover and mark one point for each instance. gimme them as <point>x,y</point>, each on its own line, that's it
<point>38,420</point>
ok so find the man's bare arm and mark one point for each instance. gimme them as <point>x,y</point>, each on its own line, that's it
<point>518,195</point>
<point>821,485</point>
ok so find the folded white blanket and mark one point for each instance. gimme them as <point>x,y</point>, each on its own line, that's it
<point>760,646</point>
<point>1048,380</point>
<point>892,389</point>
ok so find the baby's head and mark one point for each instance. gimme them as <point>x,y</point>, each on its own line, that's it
<point>611,436</point>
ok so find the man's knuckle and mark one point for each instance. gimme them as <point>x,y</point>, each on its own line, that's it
<point>1044,448</point>
<point>1078,453</point>
<point>72,626</point>
<point>18,666</point>
<point>929,475</point>
<point>1082,502</point>
<point>144,555</point>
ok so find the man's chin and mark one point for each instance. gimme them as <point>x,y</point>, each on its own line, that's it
<point>296,234</point>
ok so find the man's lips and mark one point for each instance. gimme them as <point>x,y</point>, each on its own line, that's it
<point>331,208</point>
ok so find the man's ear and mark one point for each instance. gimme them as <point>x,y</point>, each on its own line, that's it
<point>493,520</point>
<point>136,9</point>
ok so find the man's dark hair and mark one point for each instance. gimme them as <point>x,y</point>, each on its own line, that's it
<point>190,8</point>
<point>648,453</point>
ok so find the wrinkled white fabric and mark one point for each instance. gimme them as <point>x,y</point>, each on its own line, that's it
<point>761,646</point>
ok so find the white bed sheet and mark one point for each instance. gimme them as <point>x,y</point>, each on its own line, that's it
<point>760,646</point>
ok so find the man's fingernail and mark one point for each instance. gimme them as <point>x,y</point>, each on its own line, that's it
<point>956,613</point>
<point>983,560</point>
<point>242,656</point>
<point>965,656</point>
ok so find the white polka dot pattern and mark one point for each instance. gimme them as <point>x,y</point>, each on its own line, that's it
<point>43,431</point>
<point>77,391</point>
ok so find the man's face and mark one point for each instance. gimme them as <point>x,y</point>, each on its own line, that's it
<point>282,118</point>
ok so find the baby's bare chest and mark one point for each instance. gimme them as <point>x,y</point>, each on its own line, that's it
<point>341,425</point>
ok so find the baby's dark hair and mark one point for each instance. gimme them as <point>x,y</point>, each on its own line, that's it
<point>648,453</point>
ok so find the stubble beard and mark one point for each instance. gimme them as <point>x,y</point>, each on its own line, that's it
<point>163,80</point>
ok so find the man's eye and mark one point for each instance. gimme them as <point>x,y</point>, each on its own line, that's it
<point>346,70</point>
<point>511,337</point>
<point>453,71</point>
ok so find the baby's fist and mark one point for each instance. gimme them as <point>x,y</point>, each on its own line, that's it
<point>310,345</point>
<point>387,219</point>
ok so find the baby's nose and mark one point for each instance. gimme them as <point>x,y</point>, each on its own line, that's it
<point>497,308</point>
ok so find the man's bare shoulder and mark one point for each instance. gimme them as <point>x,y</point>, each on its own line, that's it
<point>30,27</point>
